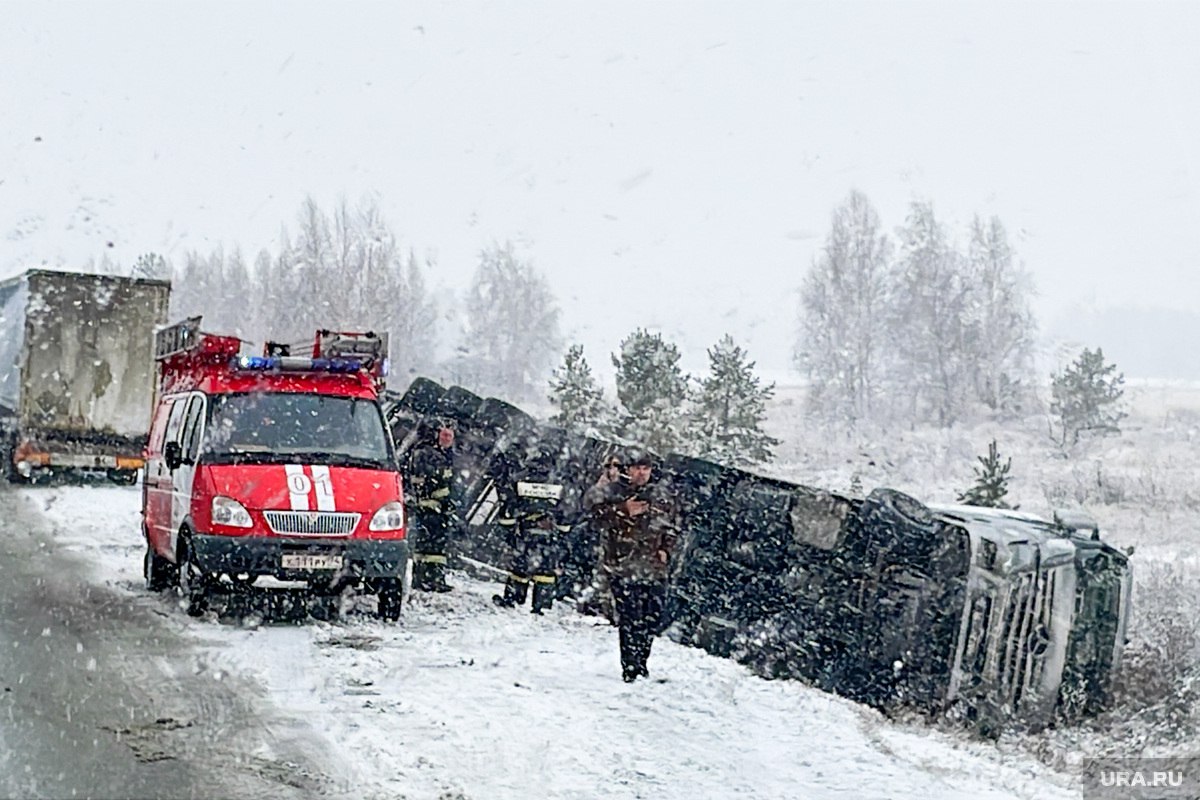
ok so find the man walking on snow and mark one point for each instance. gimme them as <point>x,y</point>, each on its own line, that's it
<point>639,528</point>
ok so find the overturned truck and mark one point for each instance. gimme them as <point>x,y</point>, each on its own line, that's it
<point>994,617</point>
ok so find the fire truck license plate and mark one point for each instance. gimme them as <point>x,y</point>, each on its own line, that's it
<point>311,561</point>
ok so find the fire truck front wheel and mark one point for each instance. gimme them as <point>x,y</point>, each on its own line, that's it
<point>390,594</point>
<point>159,573</point>
<point>194,584</point>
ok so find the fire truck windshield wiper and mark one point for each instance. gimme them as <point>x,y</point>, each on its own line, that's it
<point>238,456</point>
<point>335,459</point>
<point>331,459</point>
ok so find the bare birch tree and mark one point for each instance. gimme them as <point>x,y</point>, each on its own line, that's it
<point>928,323</point>
<point>1000,317</point>
<point>341,271</point>
<point>511,335</point>
<point>842,305</point>
<point>413,321</point>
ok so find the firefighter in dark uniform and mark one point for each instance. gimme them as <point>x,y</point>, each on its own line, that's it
<point>431,490</point>
<point>532,512</point>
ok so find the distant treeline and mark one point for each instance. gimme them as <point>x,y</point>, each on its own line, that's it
<point>912,327</point>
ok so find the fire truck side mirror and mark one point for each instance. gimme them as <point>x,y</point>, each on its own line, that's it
<point>173,455</point>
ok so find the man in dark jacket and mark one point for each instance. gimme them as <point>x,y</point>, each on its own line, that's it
<point>639,528</point>
<point>431,502</point>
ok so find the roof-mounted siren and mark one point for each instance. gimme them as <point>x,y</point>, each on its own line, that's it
<point>368,349</point>
<point>1077,522</point>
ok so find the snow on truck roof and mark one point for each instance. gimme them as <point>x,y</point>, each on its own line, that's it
<point>94,276</point>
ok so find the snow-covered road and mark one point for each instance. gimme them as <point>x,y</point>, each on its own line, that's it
<point>99,697</point>
<point>464,700</point>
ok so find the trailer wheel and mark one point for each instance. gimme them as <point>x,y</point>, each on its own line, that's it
<point>160,573</point>
<point>8,469</point>
<point>194,585</point>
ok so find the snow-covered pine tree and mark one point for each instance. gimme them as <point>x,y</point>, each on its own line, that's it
<point>1087,397</point>
<point>576,396</point>
<point>991,481</point>
<point>652,389</point>
<point>730,409</point>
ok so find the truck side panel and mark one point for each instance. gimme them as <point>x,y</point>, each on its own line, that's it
<point>14,296</point>
<point>89,364</point>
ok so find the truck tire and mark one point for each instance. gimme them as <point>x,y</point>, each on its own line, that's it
<point>905,506</point>
<point>159,573</point>
<point>123,477</point>
<point>390,595</point>
<point>194,586</point>
<point>8,469</point>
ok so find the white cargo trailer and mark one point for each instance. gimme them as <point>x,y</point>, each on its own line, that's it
<point>77,371</point>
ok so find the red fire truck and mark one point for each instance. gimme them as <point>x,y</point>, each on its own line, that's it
<point>276,466</point>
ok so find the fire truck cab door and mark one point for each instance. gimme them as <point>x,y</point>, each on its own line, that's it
<point>158,482</point>
<point>187,434</point>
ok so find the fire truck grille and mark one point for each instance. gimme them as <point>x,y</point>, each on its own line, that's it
<point>312,523</point>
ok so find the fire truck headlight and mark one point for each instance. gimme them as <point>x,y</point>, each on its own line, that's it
<point>390,517</point>
<point>227,511</point>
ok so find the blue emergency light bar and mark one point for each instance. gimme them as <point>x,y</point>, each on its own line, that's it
<point>299,364</point>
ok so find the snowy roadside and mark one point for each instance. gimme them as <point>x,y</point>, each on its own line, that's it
<point>461,699</point>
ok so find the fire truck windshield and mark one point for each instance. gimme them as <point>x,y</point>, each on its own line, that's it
<point>267,428</point>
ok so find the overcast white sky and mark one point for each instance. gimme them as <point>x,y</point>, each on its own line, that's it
<point>664,164</point>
